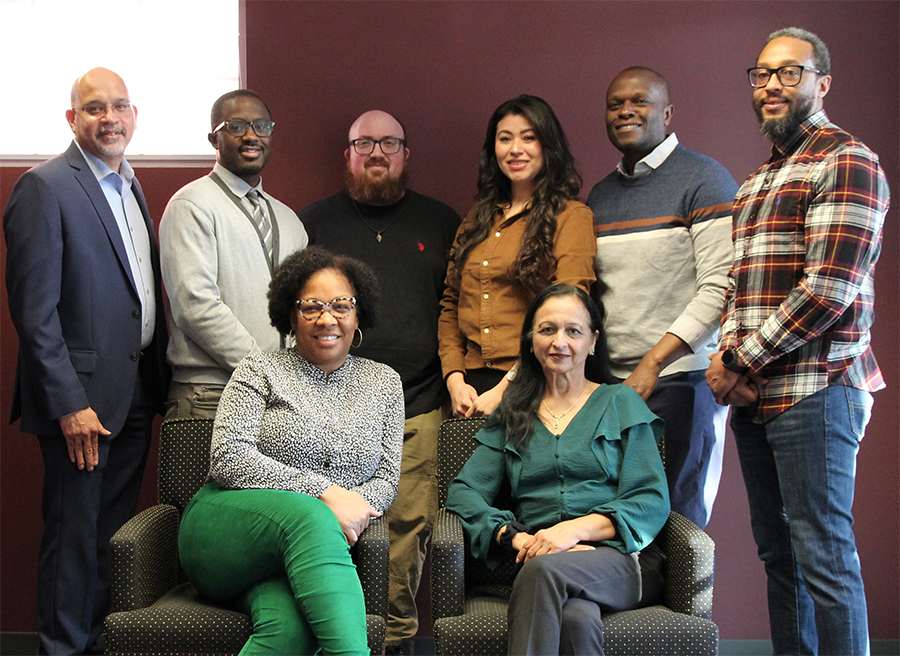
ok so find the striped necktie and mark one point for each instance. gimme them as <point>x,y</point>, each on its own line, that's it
<point>263,224</point>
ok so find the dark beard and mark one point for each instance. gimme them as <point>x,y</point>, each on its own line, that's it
<point>777,129</point>
<point>386,191</point>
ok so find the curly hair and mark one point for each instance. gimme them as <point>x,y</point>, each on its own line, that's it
<point>556,183</point>
<point>518,409</point>
<point>295,271</point>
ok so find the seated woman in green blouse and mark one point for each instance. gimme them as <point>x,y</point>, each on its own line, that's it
<point>588,488</point>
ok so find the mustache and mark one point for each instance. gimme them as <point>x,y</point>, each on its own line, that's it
<point>110,130</point>
<point>377,161</point>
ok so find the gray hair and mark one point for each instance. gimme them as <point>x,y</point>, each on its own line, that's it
<point>821,56</point>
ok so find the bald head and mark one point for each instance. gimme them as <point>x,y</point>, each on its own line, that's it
<point>376,122</point>
<point>646,76</point>
<point>377,178</point>
<point>94,78</point>
<point>638,111</point>
<point>102,116</point>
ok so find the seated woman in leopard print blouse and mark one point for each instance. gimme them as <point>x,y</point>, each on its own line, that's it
<point>306,451</point>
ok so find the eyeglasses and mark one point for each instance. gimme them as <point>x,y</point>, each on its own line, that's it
<point>237,127</point>
<point>98,109</point>
<point>789,76</point>
<point>389,145</point>
<point>340,308</point>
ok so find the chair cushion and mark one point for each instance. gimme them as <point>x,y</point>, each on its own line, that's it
<point>184,622</point>
<point>657,630</point>
<point>481,629</point>
<point>181,621</point>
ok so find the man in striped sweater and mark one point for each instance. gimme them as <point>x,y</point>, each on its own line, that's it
<point>663,222</point>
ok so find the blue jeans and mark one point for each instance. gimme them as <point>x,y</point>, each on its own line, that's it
<point>800,471</point>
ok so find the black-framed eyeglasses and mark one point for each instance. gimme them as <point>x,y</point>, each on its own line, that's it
<point>789,76</point>
<point>237,127</point>
<point>389,145</point>
<point>94,110</point>
<point>340,308</point>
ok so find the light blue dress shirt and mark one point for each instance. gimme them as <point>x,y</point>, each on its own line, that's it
<point>120,195</point>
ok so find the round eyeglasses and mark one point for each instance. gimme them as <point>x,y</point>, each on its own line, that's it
<point>237,127</point>
<point>789,76</point>
<point>94,110</point>
<point>389,145</point>
<point>340,308</point>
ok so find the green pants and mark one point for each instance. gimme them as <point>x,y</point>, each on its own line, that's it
<point>281,557</point>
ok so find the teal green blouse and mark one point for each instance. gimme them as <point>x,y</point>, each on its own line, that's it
<point>606,461</point>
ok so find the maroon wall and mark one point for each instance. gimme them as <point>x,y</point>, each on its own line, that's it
<point>442,67</point>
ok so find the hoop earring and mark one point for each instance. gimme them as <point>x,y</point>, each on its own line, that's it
<point>360,339</point>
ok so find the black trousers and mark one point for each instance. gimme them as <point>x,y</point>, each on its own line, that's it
<point>82,510</point>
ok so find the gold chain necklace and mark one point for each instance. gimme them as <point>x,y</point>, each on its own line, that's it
<point>560,416</point>
<point>366,223</point>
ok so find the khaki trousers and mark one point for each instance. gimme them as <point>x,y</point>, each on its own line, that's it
<point>410,521</point>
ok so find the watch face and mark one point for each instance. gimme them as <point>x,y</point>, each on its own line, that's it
<point>731,362</point>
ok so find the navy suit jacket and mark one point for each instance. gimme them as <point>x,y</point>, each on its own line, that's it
<point>73,301</point>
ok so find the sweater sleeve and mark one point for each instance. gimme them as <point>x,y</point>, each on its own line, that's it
<point>575,246</point>
<point>709,212</point>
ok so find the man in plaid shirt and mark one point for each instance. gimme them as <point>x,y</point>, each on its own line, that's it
<point>794,357</point>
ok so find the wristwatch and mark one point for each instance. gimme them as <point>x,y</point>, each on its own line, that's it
<point>732,362</point>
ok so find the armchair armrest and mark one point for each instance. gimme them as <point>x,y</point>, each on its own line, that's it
<point>143,558</point>
<point>371,553</point>
<point>447,566</point>
<point>690,567</point>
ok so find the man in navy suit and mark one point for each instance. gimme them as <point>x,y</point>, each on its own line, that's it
<point>82,276</point>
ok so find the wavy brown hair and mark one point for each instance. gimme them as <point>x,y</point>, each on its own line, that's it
<point>556,184</point>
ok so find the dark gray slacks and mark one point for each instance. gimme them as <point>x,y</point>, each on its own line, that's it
<point>82,510</point>
<point>558,600</point>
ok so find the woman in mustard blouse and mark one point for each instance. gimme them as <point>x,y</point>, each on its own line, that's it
<point>587,486</point>
<point>525,231</point>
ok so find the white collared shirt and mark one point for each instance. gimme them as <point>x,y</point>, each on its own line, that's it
<point>120,195</point>
<point>651,161</point>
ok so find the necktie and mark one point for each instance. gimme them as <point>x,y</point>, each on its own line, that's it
<point>263,224</point>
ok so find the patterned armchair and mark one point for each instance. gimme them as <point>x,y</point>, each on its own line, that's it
<point>155,610</point>
<point>469,601</point>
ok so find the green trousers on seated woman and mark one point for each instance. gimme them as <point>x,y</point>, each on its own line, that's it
<point>282,558</point>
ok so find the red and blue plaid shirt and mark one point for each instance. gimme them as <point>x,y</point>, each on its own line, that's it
<point>807,233</point>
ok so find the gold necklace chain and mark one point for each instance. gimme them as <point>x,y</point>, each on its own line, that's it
<point>366,223</point>
<point>560,416</point>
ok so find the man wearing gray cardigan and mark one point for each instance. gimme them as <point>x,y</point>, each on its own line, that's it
<point>664,248</point>
<point>220,239</point>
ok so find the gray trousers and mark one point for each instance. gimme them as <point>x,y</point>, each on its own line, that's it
<point>558,600</point>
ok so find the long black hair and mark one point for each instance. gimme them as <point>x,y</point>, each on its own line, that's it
<point>556,184</point>
<point>518,410</point>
